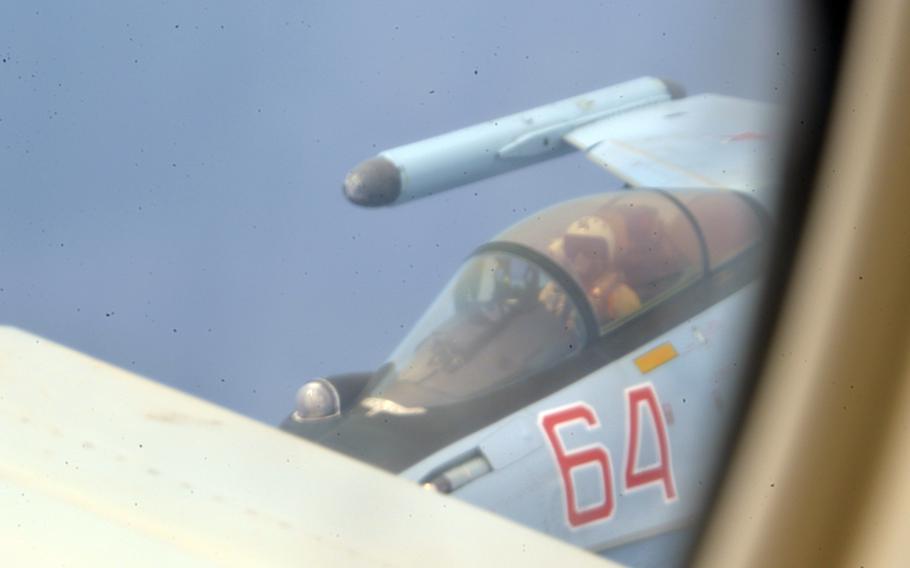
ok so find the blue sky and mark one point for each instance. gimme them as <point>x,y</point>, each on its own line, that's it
<point>171,171</point>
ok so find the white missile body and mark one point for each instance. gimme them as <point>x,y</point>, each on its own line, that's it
<point>490,148</point>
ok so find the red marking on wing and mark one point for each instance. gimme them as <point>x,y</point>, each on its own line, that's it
<point>746,136</point>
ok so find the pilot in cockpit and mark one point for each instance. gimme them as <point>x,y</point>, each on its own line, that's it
<point>590,252</point>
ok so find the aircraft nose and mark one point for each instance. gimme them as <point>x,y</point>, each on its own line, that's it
<point>373,183</point>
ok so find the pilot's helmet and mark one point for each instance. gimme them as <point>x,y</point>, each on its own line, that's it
<point>592,238</point>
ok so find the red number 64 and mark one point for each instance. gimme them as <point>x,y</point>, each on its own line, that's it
<point>640,397</point>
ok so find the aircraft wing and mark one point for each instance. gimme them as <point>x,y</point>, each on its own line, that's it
<point>101,467</point>
<point>698,141</point>
<point>644,131</point>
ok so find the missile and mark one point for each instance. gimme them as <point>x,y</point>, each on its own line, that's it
<point>494,147</point>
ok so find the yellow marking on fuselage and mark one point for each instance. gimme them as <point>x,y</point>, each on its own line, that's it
<point>656,357</point>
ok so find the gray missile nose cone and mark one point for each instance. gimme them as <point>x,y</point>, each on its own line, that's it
<point>373,183</point>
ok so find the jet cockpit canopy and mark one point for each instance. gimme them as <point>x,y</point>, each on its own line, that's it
<point>543,289</point>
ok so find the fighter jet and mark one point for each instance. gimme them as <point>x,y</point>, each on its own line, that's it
<point>578,373</point>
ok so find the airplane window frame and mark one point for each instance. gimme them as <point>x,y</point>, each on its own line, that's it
<point>822,30</point>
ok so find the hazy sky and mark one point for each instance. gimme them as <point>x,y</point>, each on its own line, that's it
<point>171,171</point>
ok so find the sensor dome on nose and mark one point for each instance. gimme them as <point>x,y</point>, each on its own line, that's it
<point>315,400</point>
